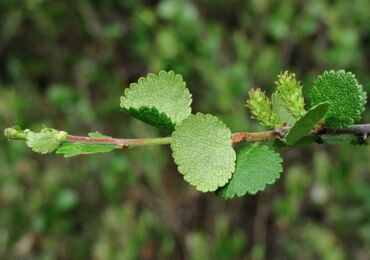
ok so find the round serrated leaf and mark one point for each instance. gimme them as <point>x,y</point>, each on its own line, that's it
<point>161,100</point>
<point>256,166</point>
<point>345,94</point>
<point>203,151</point>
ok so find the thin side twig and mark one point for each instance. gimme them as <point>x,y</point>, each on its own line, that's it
<point>360,131</point>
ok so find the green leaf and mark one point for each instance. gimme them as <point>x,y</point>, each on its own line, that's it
<point>161,100</point>
<point>74,149</point>
<point>304,141</point>
<point>345,95</point>
<point>306,123</point>
<point>256,166</point>
<point>283,113</point>
<point>46,141</point>
<point>203,151</point>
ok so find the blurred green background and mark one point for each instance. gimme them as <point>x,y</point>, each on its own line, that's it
<point>65,64</point>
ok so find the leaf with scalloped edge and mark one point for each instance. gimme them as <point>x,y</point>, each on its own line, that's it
<point>306,123</point>
<point>256,166</point>
<point>46,141</point>
<point>161,100</point>
<point>345,94</point>
<point>203,151</point>
<point>74,149</point>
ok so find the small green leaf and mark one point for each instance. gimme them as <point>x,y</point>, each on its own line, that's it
<point>256,166</point>
<point>46,141</point>
<point>203,151</point>
<point>161,100</point>
<point>74,149</point>
<point>345,94</point>
<point>306,123</point>
<point>283,113</point>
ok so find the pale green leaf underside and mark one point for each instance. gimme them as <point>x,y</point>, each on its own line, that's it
<point>256,166</point>
<point>345,94</point>
<point>46,141</point>
<point>306,123</point>
<point>161,100</point>
<point>281,110</point>
<point>74,149</point>
<point>203,151</point>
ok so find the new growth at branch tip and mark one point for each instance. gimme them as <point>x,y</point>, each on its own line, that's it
<point>15,133</point>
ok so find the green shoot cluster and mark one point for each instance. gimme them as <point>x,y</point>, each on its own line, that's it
<point>290,91</point>
<point>261,108</point>
<point>287,102</point>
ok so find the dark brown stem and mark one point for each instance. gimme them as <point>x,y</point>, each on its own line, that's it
<point>352,130</point>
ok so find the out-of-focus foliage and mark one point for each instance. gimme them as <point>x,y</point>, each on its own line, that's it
<point>65,64</point>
